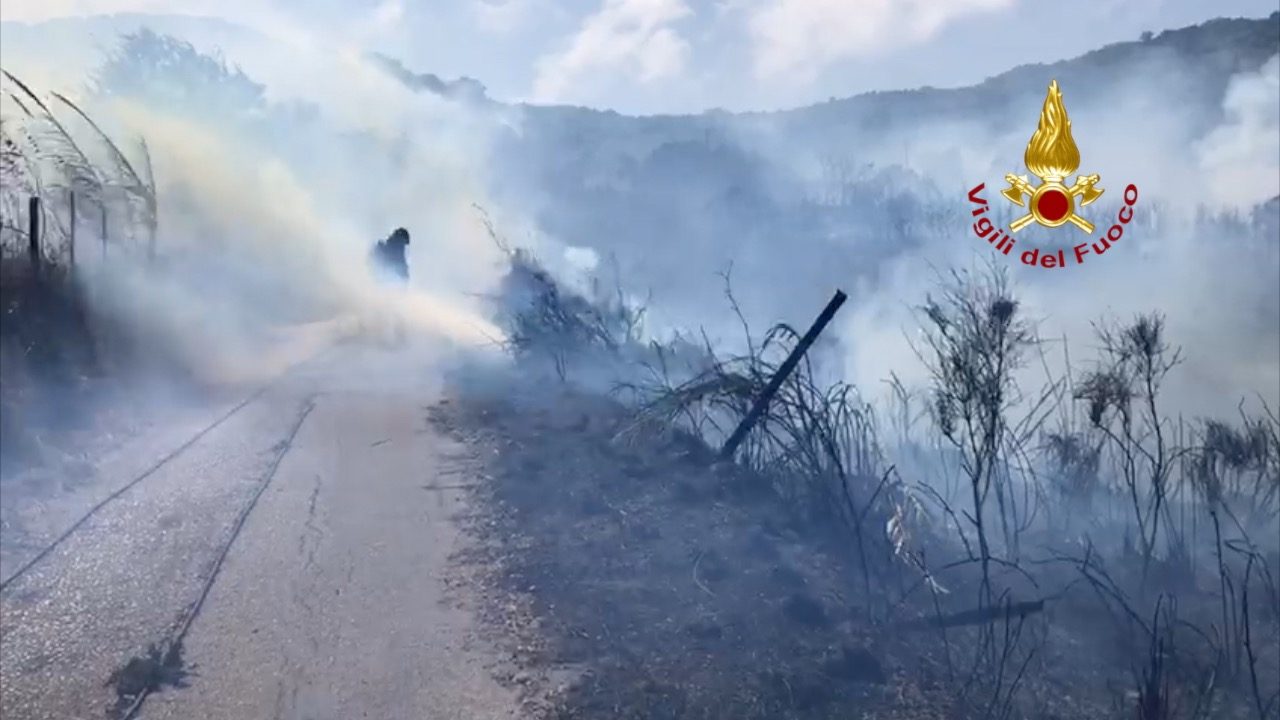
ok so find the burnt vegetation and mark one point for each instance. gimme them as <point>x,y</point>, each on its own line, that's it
<point>63,176</point>
<point>76,335</point>
<point>984,547</point>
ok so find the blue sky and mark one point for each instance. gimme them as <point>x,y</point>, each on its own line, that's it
<point>656,56</point>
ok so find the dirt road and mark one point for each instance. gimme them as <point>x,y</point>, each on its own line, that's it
<point>330,600</point>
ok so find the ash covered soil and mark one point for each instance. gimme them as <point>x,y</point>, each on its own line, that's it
<point>639,580</point>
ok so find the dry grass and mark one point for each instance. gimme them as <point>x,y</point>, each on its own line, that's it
<point>1189,618</point>
<point>51,340</point>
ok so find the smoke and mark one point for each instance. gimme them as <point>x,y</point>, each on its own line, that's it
<point>1190,253</point>
<point>265,224</point>
<point>263,239</point>
<point>1193,252</point>
<point>1240,159</point>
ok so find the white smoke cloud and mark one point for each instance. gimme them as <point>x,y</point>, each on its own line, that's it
<point>260,243</point>
<point>1241,157</point>
<point>252,248</point>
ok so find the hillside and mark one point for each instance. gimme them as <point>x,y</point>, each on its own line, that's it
<point>856,182</point>
<point>1203,56</point>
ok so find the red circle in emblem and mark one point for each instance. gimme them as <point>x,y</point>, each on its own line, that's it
<point>1053,205</point>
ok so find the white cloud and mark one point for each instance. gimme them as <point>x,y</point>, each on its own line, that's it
<point>801,37</point>
<point>624,37</point>
<point>39,10</point>
<point>501,17</point>
<point>388,14</point>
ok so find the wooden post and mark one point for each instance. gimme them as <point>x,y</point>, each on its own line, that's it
<point>33,234</point>
<point>71,228</point>
<point>788,365</point>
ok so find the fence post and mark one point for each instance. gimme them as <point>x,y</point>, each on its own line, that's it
<point>762,402</point>
<point>71,228</point>
<point>33,233</point>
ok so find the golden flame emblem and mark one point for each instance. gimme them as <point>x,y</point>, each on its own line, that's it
<point>1052,155</point>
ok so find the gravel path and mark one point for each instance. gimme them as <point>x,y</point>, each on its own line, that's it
<point>331,600</point>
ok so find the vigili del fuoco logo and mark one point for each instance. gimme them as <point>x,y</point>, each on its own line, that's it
<point>1051,156</point>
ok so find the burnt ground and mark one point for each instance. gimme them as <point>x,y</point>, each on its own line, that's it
<point>640,580</point>
<point>641,583</point>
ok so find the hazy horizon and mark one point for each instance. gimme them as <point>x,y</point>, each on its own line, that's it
<point>653,57</point>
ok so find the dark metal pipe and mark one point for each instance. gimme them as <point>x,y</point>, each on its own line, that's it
<point>788,365</point>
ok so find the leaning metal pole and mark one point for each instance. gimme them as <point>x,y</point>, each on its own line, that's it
<point>788,365</point>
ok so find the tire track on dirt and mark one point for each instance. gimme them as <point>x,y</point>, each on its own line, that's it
<point>174,642</point>
<point>50,547</point>
<point>360,581</point>
<point>152,470</point>
<point>138,566</point>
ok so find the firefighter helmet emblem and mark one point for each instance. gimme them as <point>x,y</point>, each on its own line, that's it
<point>1052,155</point>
